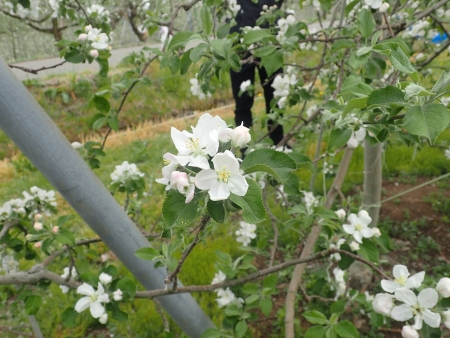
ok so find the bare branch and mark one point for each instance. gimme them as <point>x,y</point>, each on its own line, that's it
<point>35,71</point>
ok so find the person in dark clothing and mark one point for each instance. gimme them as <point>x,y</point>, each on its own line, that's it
<point>247,16</point>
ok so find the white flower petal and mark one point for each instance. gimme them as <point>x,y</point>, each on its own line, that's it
<point>364,218</point>
<point>349,228</point>
<point>353,219</point>
<point>199,162</point>
<point>85,290</point>
<point>97,309</point>
<point>104,298</point>
<point>406,296</point>
<point>205,178</point>
<point>428,298</point>
<point>226,160</point>
<point>400,270</point>
<point>100,289</point>
<point>219,191</point>
<point>415,280</point>
<point>402,313</point>
<point>418,322</point>
<point>82,304</point>
<point>389,286</point>
<point>357,236</point>
<point>238,184</point>
<point>367,232</point>
<point>431,318</point>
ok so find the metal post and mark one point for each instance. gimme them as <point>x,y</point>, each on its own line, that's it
<point>30,128</point>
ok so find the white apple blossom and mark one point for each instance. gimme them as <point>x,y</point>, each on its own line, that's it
<point>337,256</point>
<point>375,4</point>
<point>171,164</point>
<point>359,226</point>
<point>105,279</point>
<point>125,172</point>
<point>94,53</point>
<point>369,297</point>
<point>246,233</point>
<point>447,153</point>
<point>224,179</point>
<point>417,30</point>
<point>409,332</point>
<point>447,319</point>
<point>9,264</point>
<point>98,39</point>
<point>376,232</point>
<point>99,10</point>
<point>93,299</point>
<point>227,297</point>
<point>443,287</point>
<point>383,303</point>
<point>76,145</point>
<point>65,275</point>
<point>339,279</point>
<point>417,307</point>
<point>88,28</point>
<point>402,279</point>
<point>197,90</point>
<point>245,85</point>
<point>354,246</point>
<point>310,201</point>
<point>103,318</point>
<point>234,7</point>
<point>340,213</point>
<point>240,136</point>
<point>357,136</point>
<point>219,277</point>
<point>117,295</point>
<point>384,7</point>
<point>82,37</point>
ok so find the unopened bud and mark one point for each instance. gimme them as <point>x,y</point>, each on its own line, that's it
<point>55,229</point>
<point>94,53</point>
<point>38,245</point>
<point>38,226</point>
<point>384,7</point>
<point>82,37</point>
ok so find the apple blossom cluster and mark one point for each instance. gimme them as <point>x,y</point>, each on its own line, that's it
<point>125,173</point>
<point>246,233</point>
<point>94,38</point>
<point>98,11</point>
<point>73,274</point>
<point>359,227</point>
<point>35,201</point>
<point>245,86</point>
<point>94,298</point>
<point>402,304</point>
<point>234,7</point>
<point>9,264</point>
<point>200,149</point>
<point>417,30</point>
<point>340,281</point>
<point>225,297</point>
<point>197,90</point>
<point>310,201</point>
<point>282,85</point>
<point>283,25</point>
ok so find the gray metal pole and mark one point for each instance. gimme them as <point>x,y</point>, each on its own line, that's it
<point>30,128</point>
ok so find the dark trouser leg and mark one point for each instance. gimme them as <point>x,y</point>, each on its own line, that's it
<point>277,134</point>
<point>244,103</point>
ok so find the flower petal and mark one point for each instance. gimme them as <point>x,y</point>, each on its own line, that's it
<point>226,160</point>
<point>357,236</point>
<point>400,270</point>
<point>428,298</point>
<point>402,313</point>
<point>389,286</point>
<point>179,139</point>
<point>415,280</point>
<point>349,228</point>
<point>367,232</point>
<point>82,304</point>
<point>85,290</point>
<point>237,184</point>
<point>199,162</point>
<point>364,218</point>
<point>431,318</point>
<point>418,322</point>
<point>205,178</point>
<point>100,289</point>
<point>104,298</point>
<point>406,296</point>
<point>219,191</point>
<point>353,219</point>
<point>97,309</point>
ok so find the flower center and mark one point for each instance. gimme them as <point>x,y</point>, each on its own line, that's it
<point>358,227</point>
<point>193,144</point>
<point>223,175</point>
<point>401,280</point>
<point>93,298</point>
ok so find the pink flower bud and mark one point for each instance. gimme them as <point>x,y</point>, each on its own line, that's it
<point>94,53</point>
<point>443,287</point>
<point>55,229</point>
<point>38,245</point>
<point>82,37</point>
<point>38,226</point>
<point>88,28</point>
<point>241,136</point>
<point>37,217</point>
<point>383,303</point>
<point>340,213</point>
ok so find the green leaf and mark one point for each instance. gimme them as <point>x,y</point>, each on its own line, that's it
<point>69,317</point>
<point>338,307</point>
<point>276,163</point>
<point>212,333</point>
<point>358,103</point>
<point>185,62</point>
<point>24,3</point>
<point>331,333</point>
<point>241,328</point>
<point>207,20</point>
<point>302,161</point>
<point>127,286</point>
<point>343,43</point>
<point>338,138</point>
<point>315,317</point>
<point>387,96</point>
<point>346,329</point>
<point>147,253</point>
<point>265,305</point>
<point>316,332</point>
<point>254,36</point>
<point>430,332</point>
<point>345,261</point>
<point>442,84</point>
<point>272,62</point>
<point>104,67</point>
<point>89,277</point>
<point>251,204</point>
<point>401,62</point>
<point>366,22</point>
<point>64,236</point>
<point>369,250</point>
<point>179,40</point>
<point>176,212</point>
<point>74,56</point>
<point>250,289</point>
<point>271,281</point>
<point>363,51</point>
<point>32,304</point>
<point>196,52</point>
<point>101,104</point>
<point>217,211</point>
<point>428,120</point>
<point>167,334</point>
<point>118,314</point>
<point>264,51</point>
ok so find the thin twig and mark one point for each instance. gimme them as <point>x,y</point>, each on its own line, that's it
<point>273,221</point>
<point>173,275</point>
<point>35,71</point>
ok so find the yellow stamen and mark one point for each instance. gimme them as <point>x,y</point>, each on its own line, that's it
<point>223,175</point>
